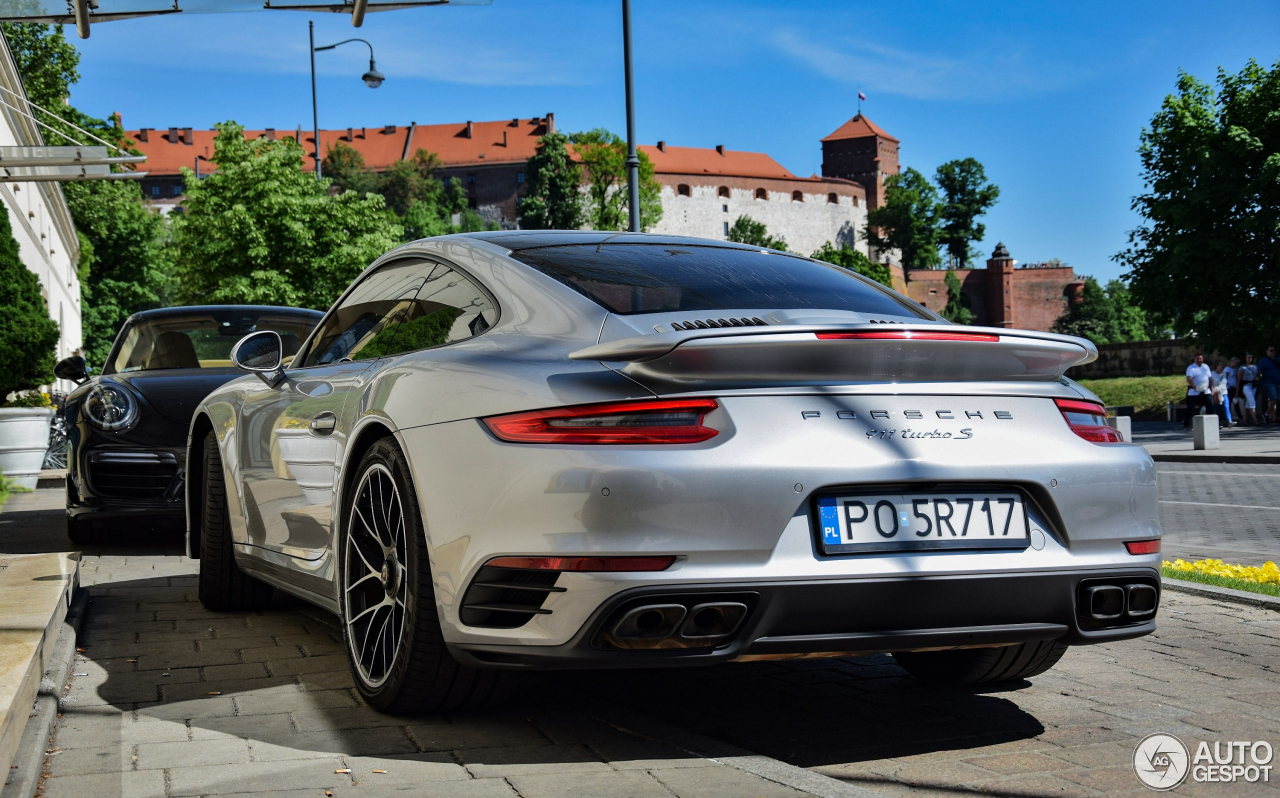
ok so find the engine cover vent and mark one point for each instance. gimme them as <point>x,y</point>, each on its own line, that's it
<point>883,321</point>
<point>710,324</point>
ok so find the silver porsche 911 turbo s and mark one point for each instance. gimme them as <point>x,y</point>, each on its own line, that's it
<point>517,450</point>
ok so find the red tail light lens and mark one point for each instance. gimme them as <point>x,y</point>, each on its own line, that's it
<point>646,422</point>
<point>584,563</point>
<point>1143,546</point>
<point>1088,420</point>
<point>906,335</point>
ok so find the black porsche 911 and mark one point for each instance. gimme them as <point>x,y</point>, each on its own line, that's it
<point>127,427</point>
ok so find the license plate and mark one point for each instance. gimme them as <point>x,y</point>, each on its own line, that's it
<point>866,523</point>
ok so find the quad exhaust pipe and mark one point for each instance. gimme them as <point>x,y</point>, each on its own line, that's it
<point>676,625</point>
<point>1115,604</point>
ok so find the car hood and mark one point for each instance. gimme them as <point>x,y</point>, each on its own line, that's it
<point>175,393</point>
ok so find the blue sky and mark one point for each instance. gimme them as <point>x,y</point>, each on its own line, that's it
<point>1050,97</point>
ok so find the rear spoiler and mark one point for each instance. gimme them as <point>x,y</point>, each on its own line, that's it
<point>799,354</point>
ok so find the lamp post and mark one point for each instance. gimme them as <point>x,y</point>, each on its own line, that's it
<point>373,79</point>
<point>633,160</point>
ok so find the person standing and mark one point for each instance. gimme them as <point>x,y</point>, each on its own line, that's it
<point>1199,393</point>
<point>1218,390</point>
<point>1269,381</point>
<point>1233,387</point>
<point>1248,376</point>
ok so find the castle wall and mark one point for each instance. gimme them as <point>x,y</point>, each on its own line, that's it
<point>1039,295</point>
<point>806,225</point>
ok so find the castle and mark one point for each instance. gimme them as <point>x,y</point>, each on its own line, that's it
<point>703,191</point>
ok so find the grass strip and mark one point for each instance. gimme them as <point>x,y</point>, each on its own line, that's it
<point>1222,581</point>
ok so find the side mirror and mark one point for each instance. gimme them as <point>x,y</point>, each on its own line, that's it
<point>262,353</point>
<point>72,368</point>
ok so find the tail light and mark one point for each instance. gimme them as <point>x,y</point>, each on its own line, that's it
<point>644,422</point>
<point>1088,420</point>
<point>598,564</point>
<point>1143,546</point>
<point>907,335</point>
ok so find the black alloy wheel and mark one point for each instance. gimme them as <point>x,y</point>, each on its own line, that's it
<point>389,619</point>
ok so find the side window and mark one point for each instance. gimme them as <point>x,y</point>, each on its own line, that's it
<point>448,308</point>
<point>364,325</point>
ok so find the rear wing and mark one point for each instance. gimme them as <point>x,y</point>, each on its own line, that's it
<point>825,354</point>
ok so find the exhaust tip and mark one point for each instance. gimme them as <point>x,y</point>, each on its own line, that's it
<point>1105,602</point>
<point>648,623</point>
<point>1140,600</point>
<point>713,620</point>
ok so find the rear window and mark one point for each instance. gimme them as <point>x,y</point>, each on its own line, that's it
<point>653,278</point>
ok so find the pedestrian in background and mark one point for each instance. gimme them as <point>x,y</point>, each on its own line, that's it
<point>1269,381</point>
<point>1218,390</point>
<point>1233,388</point>
<point>1199,393</point>
<point>1248,376</point>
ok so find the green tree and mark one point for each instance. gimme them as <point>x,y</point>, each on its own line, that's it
<point>28,337</point>
<point>1207,256</point>
<point>853,260</point>
<point>123,267</point>
<point>746,230</point>
<point>605,205</point>
<point>957,310</point>
<point>128,267</point>
<point>966,195</point>
<point>555,181</point>
<point>345,166</point>
<point>1107,315</point>
<point>908,220</point>
<point>260,230</point>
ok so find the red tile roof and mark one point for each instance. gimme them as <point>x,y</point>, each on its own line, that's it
<point>506,141</point>
<point>857,128</point>
<point>704,161</point>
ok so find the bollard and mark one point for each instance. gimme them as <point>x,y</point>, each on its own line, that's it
<point>1204,432</point>
<point>1123,425</point>
<point>1171,412</point>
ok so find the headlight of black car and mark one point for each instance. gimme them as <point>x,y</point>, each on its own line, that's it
<point>110,407</point>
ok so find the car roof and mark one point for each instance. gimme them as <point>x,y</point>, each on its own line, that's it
<point>193,310</point>
<point>516,240</point>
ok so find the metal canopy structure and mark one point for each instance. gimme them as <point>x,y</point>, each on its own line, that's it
<point>84,13</point>
<point>62,164</point>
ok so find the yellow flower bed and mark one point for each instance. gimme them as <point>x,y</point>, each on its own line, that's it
<point>1267,574</point>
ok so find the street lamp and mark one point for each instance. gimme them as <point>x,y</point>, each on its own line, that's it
<point>633,160</point>
<point>373,79</point>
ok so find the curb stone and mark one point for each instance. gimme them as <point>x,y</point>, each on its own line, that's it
<point>1241,459</point>
<point>1222,593</point>
<point>24,778</point>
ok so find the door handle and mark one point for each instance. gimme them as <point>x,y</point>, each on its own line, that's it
<point>324,423</point>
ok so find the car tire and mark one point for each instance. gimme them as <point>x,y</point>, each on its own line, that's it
<point>980,665</point>
<point>223,586</point>
<point>82,531</point>
<point>385,587</point>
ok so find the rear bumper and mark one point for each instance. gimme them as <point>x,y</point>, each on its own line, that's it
<point>850,617</point>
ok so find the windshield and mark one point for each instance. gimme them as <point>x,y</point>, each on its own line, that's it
<point>203,339</point>
<point>657,278</point>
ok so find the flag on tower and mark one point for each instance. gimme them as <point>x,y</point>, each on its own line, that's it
<point>861,96</point>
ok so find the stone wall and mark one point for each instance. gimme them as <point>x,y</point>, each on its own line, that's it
<point>1139,359</point>
<point>1038,296</point>
<point>806,224</point>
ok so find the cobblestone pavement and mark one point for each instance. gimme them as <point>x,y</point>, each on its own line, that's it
<point>171,700</point>
<point>1227,511</point>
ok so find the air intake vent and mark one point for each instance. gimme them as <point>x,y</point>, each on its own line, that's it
<point>506,598</point>
<point>710,324</point>
<point>883,321</point>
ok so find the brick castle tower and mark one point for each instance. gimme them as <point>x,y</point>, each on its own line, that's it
<point>860,151</point>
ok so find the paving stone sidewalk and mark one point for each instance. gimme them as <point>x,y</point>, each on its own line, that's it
<point>168,699</point>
